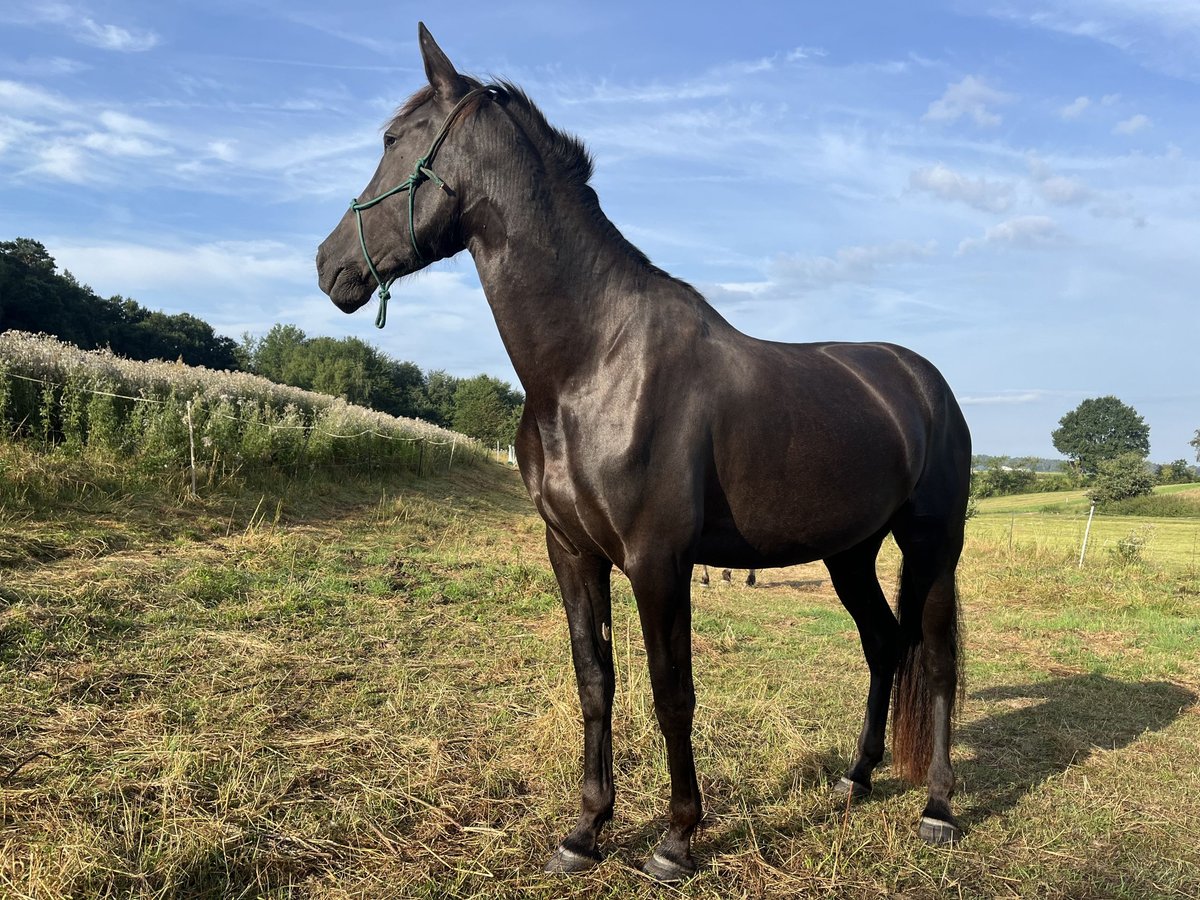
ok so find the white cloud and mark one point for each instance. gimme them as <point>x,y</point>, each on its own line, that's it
<point>83,27</point>
<point>800,53</point>
<point>222,150</point>
<point>113,37</point>
<point>1003,398</point>
<point>944,182</point>
<point>1132,125</point>
<point>122,145</point>
<point>242,265</point>
<point>15,131</point>
<point>20,97</point>
<point>123,123</point>
<point>1023,231</point>
<point>1162,34</point>
<point>969,97</point>
<point>1062,191</point>
<point>41,67</point>
<point>63,161</point>
<point>856,264</point>
<point>649,93</point>
<point>1075,108</point>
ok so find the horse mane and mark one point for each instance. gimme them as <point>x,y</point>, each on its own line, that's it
<point>561,151</point>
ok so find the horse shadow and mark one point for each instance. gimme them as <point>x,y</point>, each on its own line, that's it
<point>1035,732</point>
<point>1043,728</point>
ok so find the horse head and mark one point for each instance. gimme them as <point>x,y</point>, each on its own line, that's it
<point>407,216</point>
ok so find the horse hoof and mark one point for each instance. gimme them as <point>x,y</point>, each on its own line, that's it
<point>939,832</point>
<point>847,787</point>
<point>565,861</point>
<point>668,871</point>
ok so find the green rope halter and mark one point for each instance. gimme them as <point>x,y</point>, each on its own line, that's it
<point>421,173</point>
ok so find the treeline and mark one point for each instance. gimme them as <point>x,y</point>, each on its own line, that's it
<point>482,407</point>
<point>999,476</point>
<point>35,297</point>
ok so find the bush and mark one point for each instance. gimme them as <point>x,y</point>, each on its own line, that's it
<point>1164,506</point>
<point>1121,477</point>
<point>1000,480</point>
<point>1128,550</point>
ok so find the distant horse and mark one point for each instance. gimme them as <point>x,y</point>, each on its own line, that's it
<point>727,575</point>
<point>657,436</point>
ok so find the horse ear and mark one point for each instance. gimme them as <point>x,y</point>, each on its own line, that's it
<point>443,77</point>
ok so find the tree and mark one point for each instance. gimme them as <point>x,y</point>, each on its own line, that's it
<point>1003,476</point>
<point>273,356</point>
<point>1099,429</point>
<point>486,408</point>
<point>29,252</point>
<point>1195,442</point>
<point>1121,477</point>
<point>440,386</point>
<point>1177,472</point>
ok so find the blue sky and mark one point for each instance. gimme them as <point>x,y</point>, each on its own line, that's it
<point>1010,188</point>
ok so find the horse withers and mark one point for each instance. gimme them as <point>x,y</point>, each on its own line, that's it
<point>656,437</point>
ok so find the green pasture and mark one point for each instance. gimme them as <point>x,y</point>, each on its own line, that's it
<point>1053,524</point>
<point>331,687</point>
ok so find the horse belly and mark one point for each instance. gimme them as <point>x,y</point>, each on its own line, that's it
<point>785,511</point>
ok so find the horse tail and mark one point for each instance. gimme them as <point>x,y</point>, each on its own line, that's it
<point>930,644</point>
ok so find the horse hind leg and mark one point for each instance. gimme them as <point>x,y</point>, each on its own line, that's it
<point>929,673</point>
<point>857,586</point>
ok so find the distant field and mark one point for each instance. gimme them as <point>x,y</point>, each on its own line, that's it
<point>1054,523</point>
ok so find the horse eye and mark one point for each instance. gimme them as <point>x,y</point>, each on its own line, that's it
<point>388,140</point>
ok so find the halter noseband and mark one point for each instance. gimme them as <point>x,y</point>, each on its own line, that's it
<point>421,173</point>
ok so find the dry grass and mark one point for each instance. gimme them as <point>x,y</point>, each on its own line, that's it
<point>365,691</point>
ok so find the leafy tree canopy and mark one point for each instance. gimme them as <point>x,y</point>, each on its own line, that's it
<point>1099,429</point>
<point>487,408</point>
<point>1177,472</point>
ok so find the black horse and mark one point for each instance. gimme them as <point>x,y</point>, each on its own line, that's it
<point>656,436</point>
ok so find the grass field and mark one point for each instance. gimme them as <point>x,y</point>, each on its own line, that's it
<point>1054,524</point>
<point>363,689</point>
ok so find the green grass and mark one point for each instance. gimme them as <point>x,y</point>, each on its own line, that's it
<point>1055,523</point>
<point>362,688</point>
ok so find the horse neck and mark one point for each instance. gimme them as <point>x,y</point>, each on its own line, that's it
<point>560,278</point>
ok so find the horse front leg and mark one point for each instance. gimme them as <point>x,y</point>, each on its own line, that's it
<point>585,585</point>
<point>664,607</point>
